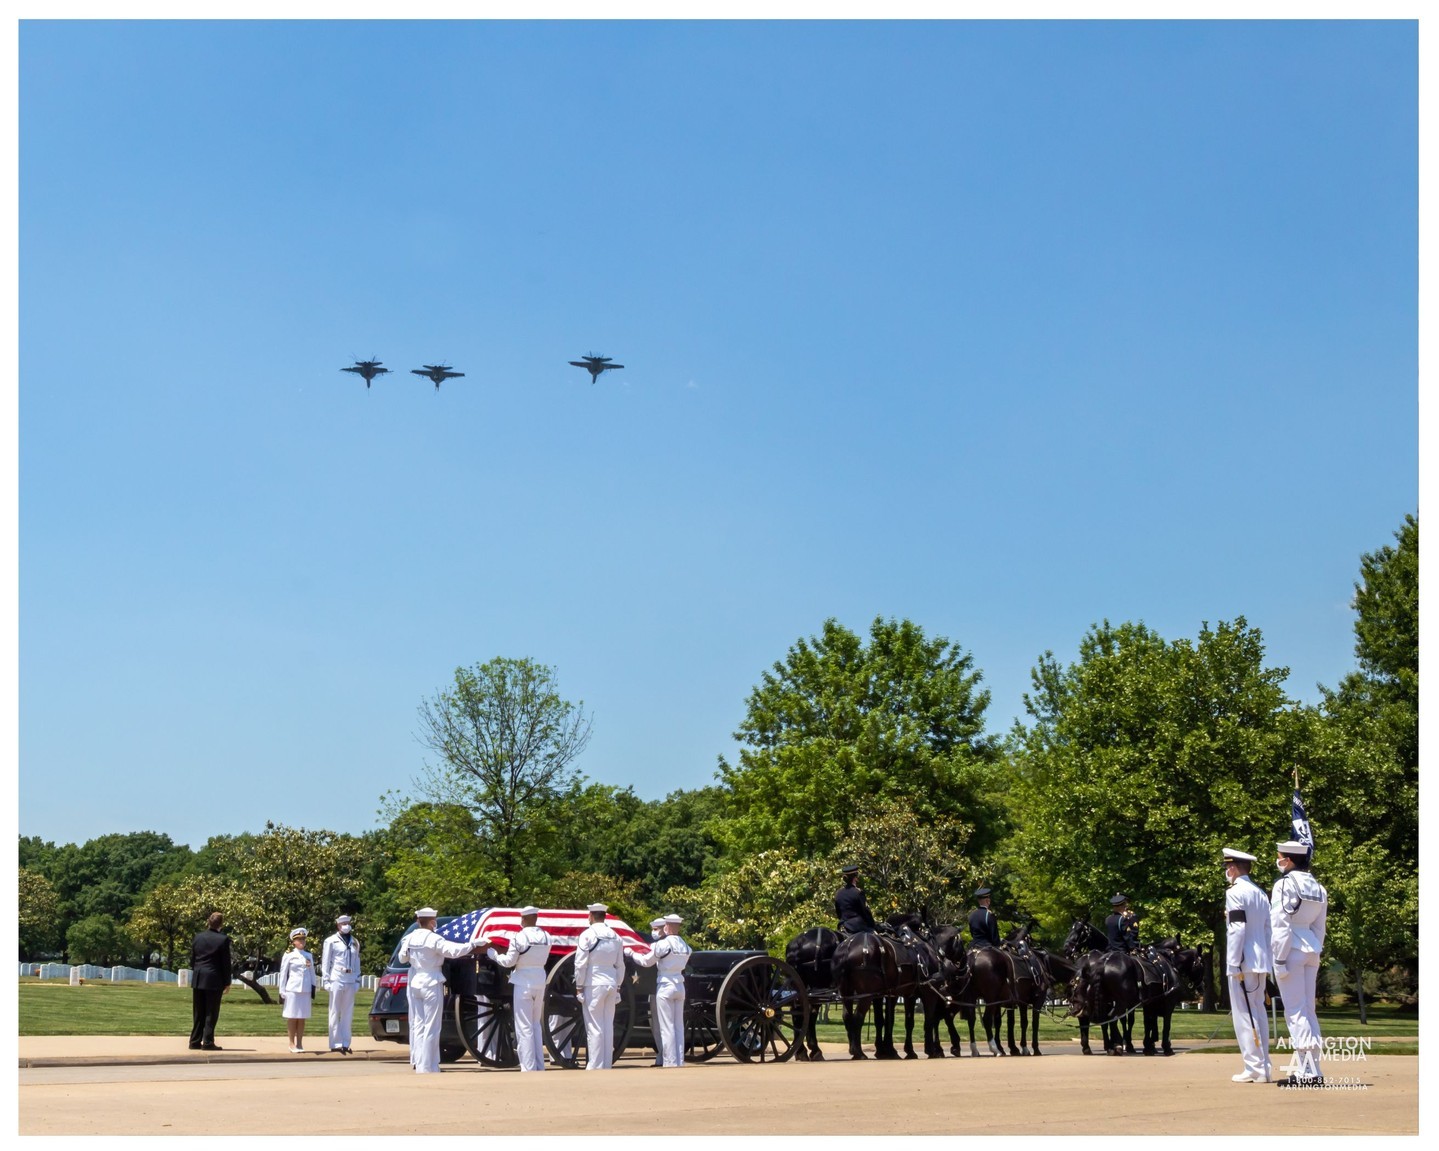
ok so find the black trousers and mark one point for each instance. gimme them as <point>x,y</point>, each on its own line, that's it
<point>205,1011</point>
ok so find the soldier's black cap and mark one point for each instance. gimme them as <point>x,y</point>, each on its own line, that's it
<point>849,869</point>
<point>1118,899</point>
<point>981,893</point>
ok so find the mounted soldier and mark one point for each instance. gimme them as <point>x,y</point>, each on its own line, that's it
<point>850,905</point>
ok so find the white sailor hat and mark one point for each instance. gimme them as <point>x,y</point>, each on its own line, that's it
<point>299,931</point>
<point>1292,847</point>
<point>673,918</point>
<point>529,909</point>
<point>426,913</point>
<point>593,908</point>
<point>1235,853</point>
<point>343,919</point>
<point>657,923</point>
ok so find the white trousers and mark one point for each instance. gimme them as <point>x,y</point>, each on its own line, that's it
<point>599,1012</point>
<point>671,1002</point>
<point>1251,1021</point>
<point>1297,978</point>
<point>425,1000</point>
<point>655,1031</point>
<point>342,1013</point>
<point>529,1003</point>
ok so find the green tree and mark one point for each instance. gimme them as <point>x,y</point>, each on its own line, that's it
<point>840,724</point>
<point>762,903</point>
<point>296,878</point>
<point>98,939</point>
<point>174,911</point>
<point>108,875</point>
<point>39,914</point>
<point>1144,759</point>
<point>1373,907</point>
<point>507,742</point>
<point>908,863</point>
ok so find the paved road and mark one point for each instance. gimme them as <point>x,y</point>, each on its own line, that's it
<point>1188,1094</point>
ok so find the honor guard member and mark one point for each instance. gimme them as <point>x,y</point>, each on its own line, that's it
<point>1248,961</point>
<point>529,949</point>
<point>1298,915</point>
<point>599,967</point>
<point>340,976</point>
<point>983,926</point>
<point>669,955</point>
<point>657,931</point>
<point>1122,925</point>
<point>425,950</point>
<point>850,904</point>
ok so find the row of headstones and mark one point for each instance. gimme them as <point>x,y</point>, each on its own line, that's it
<point>76,972</point>
<point>151,974</point>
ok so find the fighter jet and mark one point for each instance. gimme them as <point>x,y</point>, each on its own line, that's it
<point>368,369</point>
<point>595,365</point>
<point>436,372</point>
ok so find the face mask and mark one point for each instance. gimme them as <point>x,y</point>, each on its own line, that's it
<point>344,929</point>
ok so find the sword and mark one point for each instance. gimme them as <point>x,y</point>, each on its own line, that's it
<point>1254,1027</point>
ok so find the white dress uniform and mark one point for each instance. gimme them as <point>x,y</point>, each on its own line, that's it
<point>528,950</point>
<point>295,982</point>
<point>425,951</point>
<point>340,976</point>
<point>657,932</point>
<point>1299,910</point>
<point>599,967</point>
<point>669,955</point>
<point>1248,961</point>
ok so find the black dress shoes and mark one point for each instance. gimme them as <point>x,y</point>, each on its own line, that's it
<point>211,1047</point>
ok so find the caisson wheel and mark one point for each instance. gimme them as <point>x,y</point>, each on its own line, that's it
<point>762,1010</point>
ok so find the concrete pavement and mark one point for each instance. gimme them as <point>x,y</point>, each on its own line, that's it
<point>138,1050</point>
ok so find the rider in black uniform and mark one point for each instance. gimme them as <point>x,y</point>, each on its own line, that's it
<point>1122,926</point>
<point>850,905</point>
<point>983,926</point>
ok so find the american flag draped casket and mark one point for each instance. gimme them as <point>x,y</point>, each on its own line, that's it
<point>564,924</point>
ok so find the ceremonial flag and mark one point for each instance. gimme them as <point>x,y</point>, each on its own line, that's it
<point>1302,831</point>
<point>461,929</point>
<point>498,924</point>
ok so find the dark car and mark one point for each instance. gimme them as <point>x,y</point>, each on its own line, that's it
<point>390,1011</point>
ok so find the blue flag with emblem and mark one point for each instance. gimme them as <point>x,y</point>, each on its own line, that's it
<point>1302,831</point>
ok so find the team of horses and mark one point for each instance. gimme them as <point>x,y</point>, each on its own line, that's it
<point>909,962</point>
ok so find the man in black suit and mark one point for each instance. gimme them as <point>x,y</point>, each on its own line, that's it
<point>983,927</point>
<point>210,973</point>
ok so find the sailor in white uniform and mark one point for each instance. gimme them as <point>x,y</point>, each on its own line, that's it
<point>1299,911</point>
<point>1248,962</point>
<point>340,976</point>
<point>599,967</point>
<point>669,955</point>
<point>426,951</point>
<point>529,949</point>
<point>657,932</point>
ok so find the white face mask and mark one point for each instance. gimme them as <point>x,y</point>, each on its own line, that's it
<point>344,929</point>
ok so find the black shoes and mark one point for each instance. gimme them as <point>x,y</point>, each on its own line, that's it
<point>211,1047</point>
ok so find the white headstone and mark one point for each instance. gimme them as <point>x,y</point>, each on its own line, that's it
<point>75,976</point>
<point>183,977</point>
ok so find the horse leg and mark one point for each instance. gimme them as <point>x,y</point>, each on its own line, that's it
<point>909,1052</point>
<point>1167,1016</point>
<point>969,1018</point>
<point>884,1029</point>
<point>1009,1013</point>
<point>954,1046</point>
<point>992,1029</point>
<point>1129,1033</point>
<point>854,1026</point>
<point>1034,1033</point>
<point>1151,1031</point>
<point>1084,1035</point>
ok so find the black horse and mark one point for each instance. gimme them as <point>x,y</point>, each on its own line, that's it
<point>1105,983</point>
<point>866,970</point>
<point>1181,968</point>
<point>1032,983</point>
<point>981,975</point>
<point>811,954</point>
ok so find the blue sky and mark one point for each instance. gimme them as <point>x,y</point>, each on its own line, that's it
<point>1004,328</point>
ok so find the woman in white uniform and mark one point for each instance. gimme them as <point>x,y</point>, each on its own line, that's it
<point>296,984</point>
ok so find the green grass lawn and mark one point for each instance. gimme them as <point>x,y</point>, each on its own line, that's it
<point>53,1007</point>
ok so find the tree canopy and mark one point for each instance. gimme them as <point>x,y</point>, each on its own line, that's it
<point>839,724</point>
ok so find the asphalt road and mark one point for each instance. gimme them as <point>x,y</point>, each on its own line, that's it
<point>1187,1094</point>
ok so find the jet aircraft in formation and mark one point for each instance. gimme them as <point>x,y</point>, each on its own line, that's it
<point>369,369</point>
<point>437,372</point>
<point>595,365</point>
